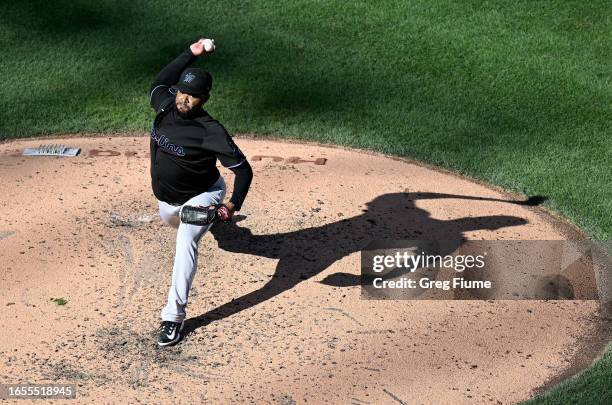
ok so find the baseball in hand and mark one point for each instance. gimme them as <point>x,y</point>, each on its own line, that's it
<point>209,45</point>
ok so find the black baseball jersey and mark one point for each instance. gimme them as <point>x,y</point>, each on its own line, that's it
<point>184,151</point>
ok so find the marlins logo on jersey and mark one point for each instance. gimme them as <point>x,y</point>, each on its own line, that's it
<point>164,143</point>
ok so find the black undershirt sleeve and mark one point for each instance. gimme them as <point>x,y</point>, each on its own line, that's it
<point>242,183</point>
<point>229,154</point>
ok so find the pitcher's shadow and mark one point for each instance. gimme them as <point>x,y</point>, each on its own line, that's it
<point>305,253</point>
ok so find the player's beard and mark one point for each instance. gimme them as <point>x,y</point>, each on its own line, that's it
<point>188,113</point>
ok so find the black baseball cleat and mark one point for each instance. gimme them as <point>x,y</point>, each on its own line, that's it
<point>201,216</point>
<point>169,333</point>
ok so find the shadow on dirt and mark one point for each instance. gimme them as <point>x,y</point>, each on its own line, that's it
<point>305,253</point>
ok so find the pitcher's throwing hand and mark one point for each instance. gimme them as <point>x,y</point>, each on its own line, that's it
<point>204,45</point>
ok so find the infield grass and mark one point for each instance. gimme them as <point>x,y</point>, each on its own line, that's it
<point>518,94</point>
<point>591,387</point>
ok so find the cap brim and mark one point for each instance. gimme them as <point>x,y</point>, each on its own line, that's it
<point>186,89</point>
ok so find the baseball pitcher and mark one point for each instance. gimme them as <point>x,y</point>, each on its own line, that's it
<point>185,145</point>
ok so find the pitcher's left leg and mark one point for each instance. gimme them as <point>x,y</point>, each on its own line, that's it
<point>186,258</point>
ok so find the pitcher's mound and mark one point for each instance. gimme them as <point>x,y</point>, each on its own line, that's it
<point>275,313</point>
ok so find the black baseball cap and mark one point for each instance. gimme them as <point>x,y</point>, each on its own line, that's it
<point>194,81</point>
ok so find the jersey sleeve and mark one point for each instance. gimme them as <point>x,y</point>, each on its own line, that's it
<point>221,143</point>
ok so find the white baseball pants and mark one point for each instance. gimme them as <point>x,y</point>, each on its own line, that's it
<point>186,256</point>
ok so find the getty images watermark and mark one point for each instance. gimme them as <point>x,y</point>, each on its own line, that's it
<point>413,261</point>
<point>417,269</point>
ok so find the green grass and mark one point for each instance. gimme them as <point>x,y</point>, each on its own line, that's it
<point>592,386</point>
<point>59,301</point>
<point>518,94</point>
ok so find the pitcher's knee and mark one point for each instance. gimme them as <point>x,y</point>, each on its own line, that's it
<point>191,234</point>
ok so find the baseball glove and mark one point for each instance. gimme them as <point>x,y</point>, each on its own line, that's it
<point>203,216</point>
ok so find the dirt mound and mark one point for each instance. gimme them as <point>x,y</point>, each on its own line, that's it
<point>269,319</point>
